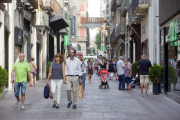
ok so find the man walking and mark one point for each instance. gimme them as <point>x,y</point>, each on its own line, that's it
<point>120,72</point>
<point>144,65</point>
<point>20,68</point>
<point>84,70</point>
<point>73,74</point>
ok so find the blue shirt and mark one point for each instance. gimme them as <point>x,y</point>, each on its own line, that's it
<point>51,63</point>
<point>115,64</point>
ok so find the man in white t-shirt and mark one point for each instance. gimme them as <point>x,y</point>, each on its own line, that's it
<point>120,72</point>
<point>84,69</point>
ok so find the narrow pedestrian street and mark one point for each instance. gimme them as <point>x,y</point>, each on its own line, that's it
<point>97,104</point>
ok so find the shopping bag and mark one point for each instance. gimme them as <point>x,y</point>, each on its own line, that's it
<point>80,91</point>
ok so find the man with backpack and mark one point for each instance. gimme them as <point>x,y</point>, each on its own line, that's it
<point>84,70</point>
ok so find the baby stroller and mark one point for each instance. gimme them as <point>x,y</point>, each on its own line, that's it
<point>104,83</point>
<point>135,82</point>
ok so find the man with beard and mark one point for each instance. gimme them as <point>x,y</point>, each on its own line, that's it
<point>73,74</point>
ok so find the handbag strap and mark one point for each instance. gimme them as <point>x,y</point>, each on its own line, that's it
<point>33,65</point>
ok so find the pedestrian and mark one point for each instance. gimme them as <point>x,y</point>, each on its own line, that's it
<point>100,59</point>
<point>144,65</point>
<point>177,73</point>
<point>96,66</point>
<point>33,68</point>
<point>115,72</point>
<point>84,70</point>
<point>90,69</point>
<point>103,65</point>
<point>57,75</point>
<point>128,74</point>
<point>73,74</point>
<point>111,69</point>
<point>53,60</point>
<point>20,68</point>
<point>120,70</point>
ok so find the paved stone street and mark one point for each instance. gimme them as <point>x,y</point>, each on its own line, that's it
<point>97,104</point>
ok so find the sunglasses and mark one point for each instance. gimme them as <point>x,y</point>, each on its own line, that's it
<point>57,56</point>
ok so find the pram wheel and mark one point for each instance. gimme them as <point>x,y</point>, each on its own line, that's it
<point>107,86</point>
<point>100,86</point>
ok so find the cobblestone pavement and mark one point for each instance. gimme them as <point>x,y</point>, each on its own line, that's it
<point>97,104</point>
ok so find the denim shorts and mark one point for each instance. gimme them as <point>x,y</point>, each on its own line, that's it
<point>17,88</point>
<point>127,80</point>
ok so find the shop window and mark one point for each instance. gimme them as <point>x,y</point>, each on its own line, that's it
<point>78,47</point>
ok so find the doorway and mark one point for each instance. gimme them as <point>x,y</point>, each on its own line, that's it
<point>6,52</point>
<point>51,48</point>
<point>37,61</point>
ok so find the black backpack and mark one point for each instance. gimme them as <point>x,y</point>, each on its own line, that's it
<point>178,64</point>
<point>46,92</point>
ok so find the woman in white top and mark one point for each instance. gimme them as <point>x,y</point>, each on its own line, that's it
<point>33,67</point>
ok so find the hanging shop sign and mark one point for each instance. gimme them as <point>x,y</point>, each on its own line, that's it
<point>6,20</point>
<point>73,27</point>
<point>18,36</point>
<point>66,39</point>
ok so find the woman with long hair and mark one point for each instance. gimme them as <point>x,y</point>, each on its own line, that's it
<point>33,67</point>
<point>57,75</point>
<point>90,69</point>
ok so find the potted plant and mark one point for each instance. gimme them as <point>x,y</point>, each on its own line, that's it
<point>134,69</point>
<point>171,75</point>
<point>47,68</point>
<point>156,77</point>
<point>3,80</point>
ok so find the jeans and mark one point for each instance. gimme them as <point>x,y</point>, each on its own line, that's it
<point>83,80</point>
<point>17,88</point>
<point>121,82</point>
<point>56,89</point>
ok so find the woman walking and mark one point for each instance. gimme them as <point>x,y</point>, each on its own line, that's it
<point>33,67</point>
<point>57,75</point>
<point>103,65</point>
<point>96,66</point>
<point>111,69</point>
<point>90,69</point>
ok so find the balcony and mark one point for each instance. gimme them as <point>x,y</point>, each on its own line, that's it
<point>113,5</point>
<point>5,1</point>
<point>140,7</point>
<point>119,31</point>
<point>112,35</point>
<point>125,7</point>
<point>52,6</point>
<point>131,19</point>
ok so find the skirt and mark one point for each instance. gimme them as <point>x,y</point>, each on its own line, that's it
<point>90,71</point>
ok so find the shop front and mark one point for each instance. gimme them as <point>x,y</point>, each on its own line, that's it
<point>170,56</point>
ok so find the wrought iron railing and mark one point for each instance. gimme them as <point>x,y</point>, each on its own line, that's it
<point>119,29</point>
<point>112,34</point>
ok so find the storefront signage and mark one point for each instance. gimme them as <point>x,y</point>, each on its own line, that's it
<point>73,27</point>
<point>6,20</point>
<point>66,39</point>
<point>92,20</point>
<point>46,19</point>
<point>174,28</point>
<point>18,36</point>
<point>27,15</point>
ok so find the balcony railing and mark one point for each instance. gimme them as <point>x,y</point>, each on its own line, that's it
<point>112,35</point>
<point>125,7</point>
<point>113,5</point>
<point>138,3</point>
<point>51,6</point>
<point>119,29</point>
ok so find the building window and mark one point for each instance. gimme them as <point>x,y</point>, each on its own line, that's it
<point>144,30</point>
<point>78,47</point>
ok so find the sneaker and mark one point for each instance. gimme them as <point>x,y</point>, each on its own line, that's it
<point>142,95</point>
<point>146,95</point>
<point>22,108</point>
<point>74,107</point>
<point>69,104</point>
<point>105,87</point>
<point>54,105</point>
<point>16,104</point>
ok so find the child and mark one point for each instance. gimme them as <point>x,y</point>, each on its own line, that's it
<point>103,78</point>
<point>136,75</point>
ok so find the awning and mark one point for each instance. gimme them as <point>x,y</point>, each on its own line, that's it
<point>57,22</point>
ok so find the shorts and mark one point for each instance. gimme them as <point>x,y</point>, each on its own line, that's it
<point>17,88</point>
<point>111,74</point>
<point>144,79</point>
<point>175,82</point>
<point>96,68</point>
<point>127,80</point>
<point>33,72</point>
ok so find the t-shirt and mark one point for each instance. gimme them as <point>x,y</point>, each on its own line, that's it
<point>111,67</point>
<point>144,65</point>
<point>115,64</point>
<point>90,66</point>
<point>127,67</point>
<point>95,64</point>
<point>176,69</point>
<point>103,66</point>
<point>83,66</point>
<point>21,69</point>
<point>120,69</point>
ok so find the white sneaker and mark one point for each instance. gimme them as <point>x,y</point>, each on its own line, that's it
<point>22,108</point>
<point>16,104</point>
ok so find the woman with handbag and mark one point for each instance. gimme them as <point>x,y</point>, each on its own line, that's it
<point>33,67</point>
<point>57,75</point>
